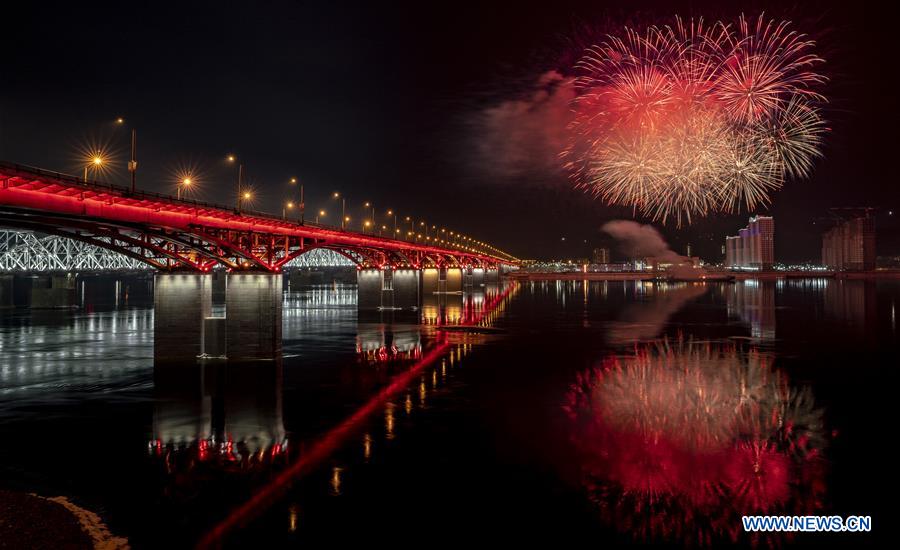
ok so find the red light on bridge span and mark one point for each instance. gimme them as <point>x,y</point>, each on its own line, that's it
<point>139,215</point>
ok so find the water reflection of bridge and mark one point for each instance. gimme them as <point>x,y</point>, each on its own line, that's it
<point>233,409</point>
<point>225,403</point>
<point>251,326</point>
<point>223,419</point>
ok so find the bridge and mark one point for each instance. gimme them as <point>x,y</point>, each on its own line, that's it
<point>182,241</point>
<point>173,234</point>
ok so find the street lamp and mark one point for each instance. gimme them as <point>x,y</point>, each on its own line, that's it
<point>301,204</point>
<point>183,185</point>
<point>95,162</point>
<point>344,217</point>
<point>320,214</point>
<point>372,206</point>
<point>245,196</point>
<point>391,212</point>
<point>240,181</point>
<point>289,205</point>
<point>132,164</point>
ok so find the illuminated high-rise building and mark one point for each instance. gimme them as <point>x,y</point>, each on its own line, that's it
<point>850,245</point>
<point>754,245</point>
<point>600,256</point>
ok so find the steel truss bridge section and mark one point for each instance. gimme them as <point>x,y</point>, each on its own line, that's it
<point>24,251</point>
<point>319,258</point>
<point>29,252</point>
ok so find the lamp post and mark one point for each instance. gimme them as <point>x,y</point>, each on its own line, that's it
<point>300,204</point>
<point>132,164</point>
<point>289,205</point>
<point>372,206</point>
<point>240,182</point>
<point>344,218</point>
<point>321,213</point>
<point>184,184</point>
<point>391,212</point>
<point>96,162</point>
<point>240,187</point>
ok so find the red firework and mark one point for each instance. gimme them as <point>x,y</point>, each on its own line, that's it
<point>644,96</point>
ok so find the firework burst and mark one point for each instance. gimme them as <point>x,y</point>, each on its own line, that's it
<point>690,119</point>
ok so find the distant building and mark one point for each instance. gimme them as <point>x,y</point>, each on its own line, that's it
<point>666,264</point>
<point>600,256</point>
<point>733,251</point>
<point>754,245</point>
<point>850,245</point>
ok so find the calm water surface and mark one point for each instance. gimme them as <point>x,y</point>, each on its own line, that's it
<point>612,412</point>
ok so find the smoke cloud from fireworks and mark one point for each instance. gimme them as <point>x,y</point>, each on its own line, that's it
<point>640,241</point>
<point>523,136</point>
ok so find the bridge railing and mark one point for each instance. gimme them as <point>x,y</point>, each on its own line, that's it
<point>104,187</point>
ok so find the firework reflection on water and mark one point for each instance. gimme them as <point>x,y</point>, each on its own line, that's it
<point>679,439</point>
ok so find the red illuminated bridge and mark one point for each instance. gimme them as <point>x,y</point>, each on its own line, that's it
<point>185,235</point>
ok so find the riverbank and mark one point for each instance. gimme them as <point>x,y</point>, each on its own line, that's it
<point>710,275</point>
<point>31,521</point>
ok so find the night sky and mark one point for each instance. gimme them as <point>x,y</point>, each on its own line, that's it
<point>385,102</point>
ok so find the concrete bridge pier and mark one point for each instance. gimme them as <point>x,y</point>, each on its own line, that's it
<point>181,302</point>
<point>492,275</point>
<point>253,315</point>
<point>443,280</point>
<point>7,298</point>
<point>388,289</point>
<point>474,276</point>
